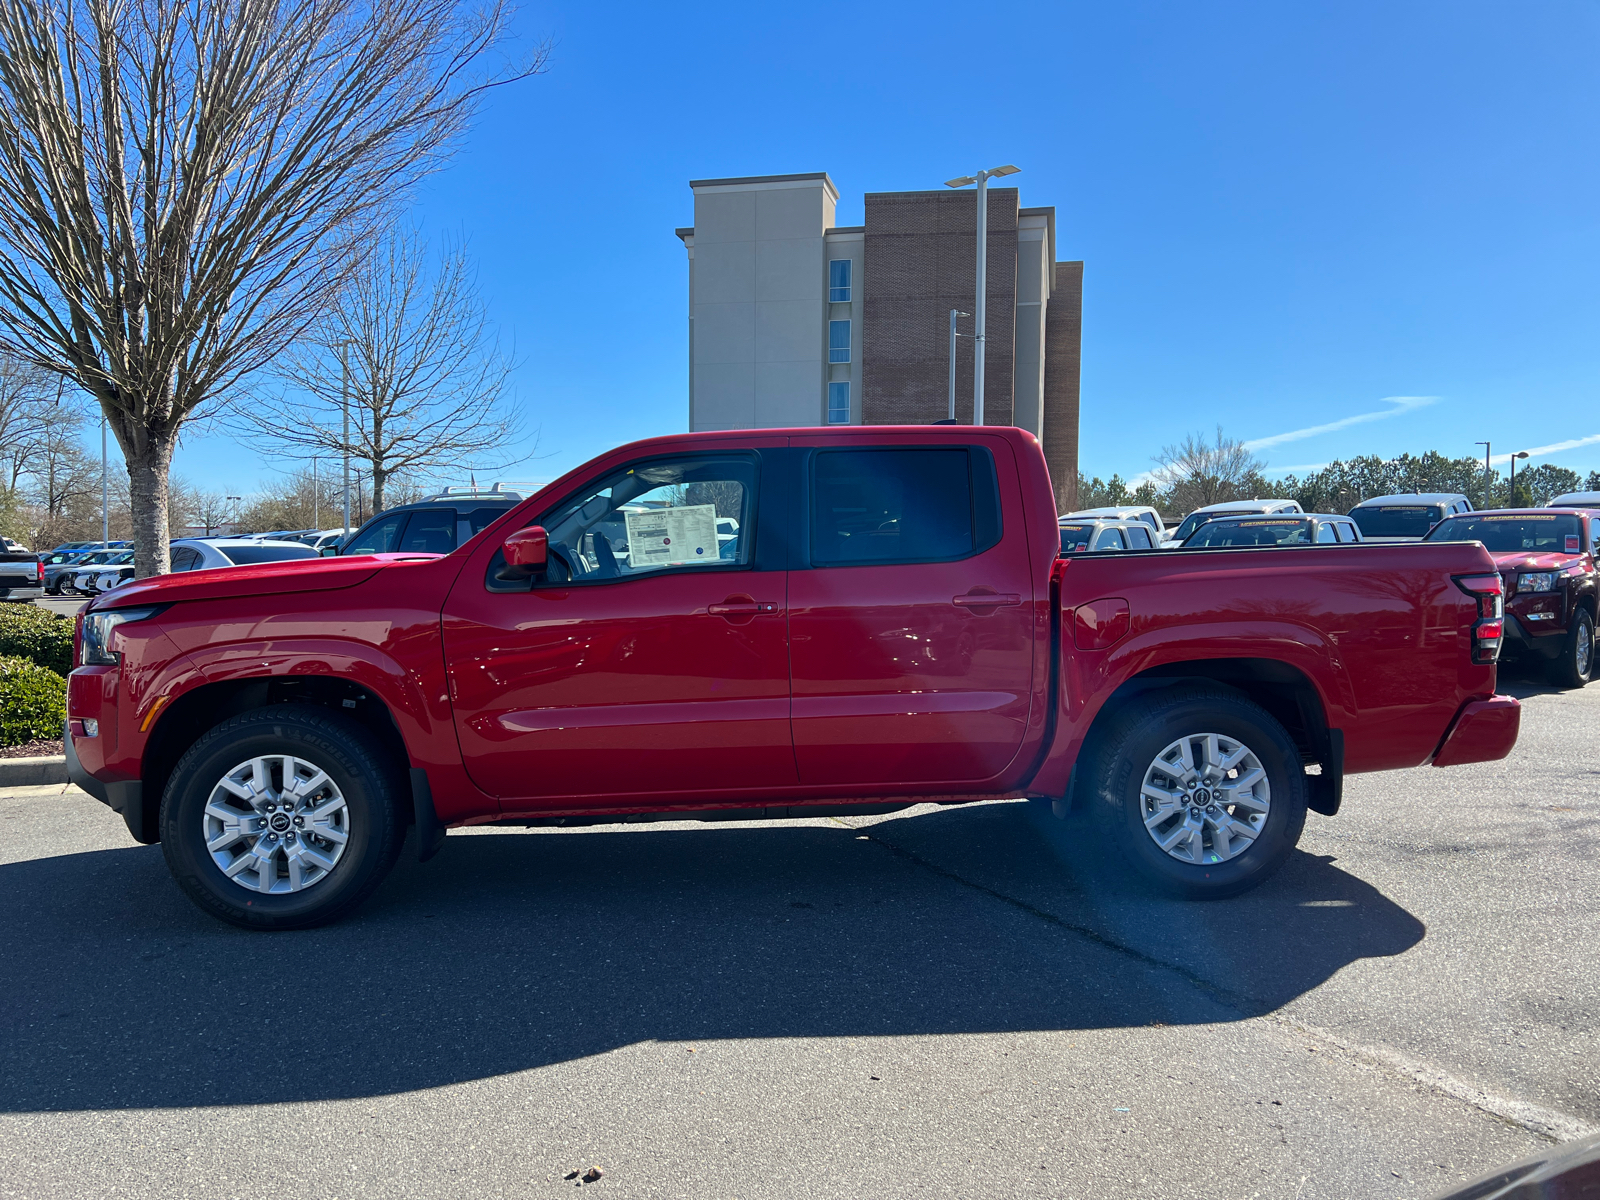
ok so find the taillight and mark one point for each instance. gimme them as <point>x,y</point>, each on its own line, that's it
<point>1488,631</point>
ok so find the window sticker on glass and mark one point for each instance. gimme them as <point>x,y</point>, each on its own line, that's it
<point>672,536</point>
<point>1573,545</point>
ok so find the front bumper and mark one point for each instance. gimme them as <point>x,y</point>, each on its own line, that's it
<point>1520,643</point>
<point>1483,731</point>
<point>125,798</point>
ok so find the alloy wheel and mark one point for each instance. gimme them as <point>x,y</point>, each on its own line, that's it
<point>1205,798</point>
<point>276,824</point>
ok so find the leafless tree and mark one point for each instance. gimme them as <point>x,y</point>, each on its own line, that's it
<point>31,406</point>
<point>184,185</point>
<point>1197,472</point>
<point>426,380</point>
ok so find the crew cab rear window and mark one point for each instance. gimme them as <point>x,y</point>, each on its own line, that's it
<point>904,505</point>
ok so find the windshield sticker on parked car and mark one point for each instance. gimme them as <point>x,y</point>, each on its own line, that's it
<point>672,536</point>
<point>1573,543</point>
<point>1279,521</point>
<point>1518,517</point>
<point>1403,508</point>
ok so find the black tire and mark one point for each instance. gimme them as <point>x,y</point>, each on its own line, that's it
<point>1142,730</point>
<point>355,762</point>
<point>1573,667</point>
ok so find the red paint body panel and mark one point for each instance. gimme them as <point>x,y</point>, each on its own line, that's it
<point>1485,731</point>
<point>869,683</point>
<point>899,678</point>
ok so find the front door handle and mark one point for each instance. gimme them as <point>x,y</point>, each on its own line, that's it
<point>740,607</point>
<point>986,600</point>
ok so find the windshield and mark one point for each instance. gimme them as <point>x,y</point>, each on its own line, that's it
<point>1076,537</point>
<point>1558,533</point>
<point>1262,531</point>
<point>1397,520</point>
<point>245,555</point>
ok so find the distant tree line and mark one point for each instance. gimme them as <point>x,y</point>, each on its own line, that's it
<point>1200,471</point>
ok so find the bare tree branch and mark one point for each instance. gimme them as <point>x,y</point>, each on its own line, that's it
<point>427,383</point>
<point>186,184</point>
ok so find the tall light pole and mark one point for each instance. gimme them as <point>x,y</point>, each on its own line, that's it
<point>1511,488</point>
<point>981,178</point>
<point>316,496</point>
<point>105,491</point>
<point>1487,500</point>
<point>954,313</point>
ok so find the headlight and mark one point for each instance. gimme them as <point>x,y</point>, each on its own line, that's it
<point>97,629</point>
<point>1537,581</point>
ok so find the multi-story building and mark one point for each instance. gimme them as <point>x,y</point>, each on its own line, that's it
<point>794,320</point>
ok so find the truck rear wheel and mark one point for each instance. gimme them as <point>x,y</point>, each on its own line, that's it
<point>282,818</point>
<point>1574,666</point>
<point>1203,791</point>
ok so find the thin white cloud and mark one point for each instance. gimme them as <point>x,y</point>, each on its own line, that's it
<point>1296,470</point>
<point>1401,405</point>
<point>1553,448</point>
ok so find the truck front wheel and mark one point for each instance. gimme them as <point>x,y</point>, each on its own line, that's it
<point>1203,791</point>
<point>282,818</point>
<point>1574,666</point>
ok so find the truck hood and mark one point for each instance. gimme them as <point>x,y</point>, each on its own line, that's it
<point>1523,560</point>
<point>261,579</point>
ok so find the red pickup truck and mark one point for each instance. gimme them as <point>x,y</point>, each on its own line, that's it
<point>772,624</point>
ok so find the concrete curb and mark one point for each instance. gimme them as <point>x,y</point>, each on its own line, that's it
<point>33,772</point>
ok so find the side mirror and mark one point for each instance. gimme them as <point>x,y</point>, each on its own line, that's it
<point>526,552</point>
<point>330,551</point>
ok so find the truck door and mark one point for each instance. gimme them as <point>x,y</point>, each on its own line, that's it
<point>653,657</point>
<point>911,643</point>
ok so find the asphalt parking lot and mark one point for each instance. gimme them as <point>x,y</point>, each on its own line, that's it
<point>946,1003</point>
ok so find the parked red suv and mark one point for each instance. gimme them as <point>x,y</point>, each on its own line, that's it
<point>1547,557</point>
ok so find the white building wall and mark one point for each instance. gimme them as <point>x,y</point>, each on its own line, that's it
<point>1033,297</point>
<point>757,301</point>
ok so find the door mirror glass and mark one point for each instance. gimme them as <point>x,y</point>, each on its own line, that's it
<point>526,552</point>
<point>330,551</point>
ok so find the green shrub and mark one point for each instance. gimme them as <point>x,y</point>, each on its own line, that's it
<point>33,702</point>
<point>37,634</point>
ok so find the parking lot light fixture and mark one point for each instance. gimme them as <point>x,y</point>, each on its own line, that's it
<point>981,178</point>
<point>1487,501</point>
<point>1511,488</point>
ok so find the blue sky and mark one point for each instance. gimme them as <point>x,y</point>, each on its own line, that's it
<point>1377,221</point>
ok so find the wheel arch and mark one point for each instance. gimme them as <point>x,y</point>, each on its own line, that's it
<point>190,715</point>
<point>1287,694</point>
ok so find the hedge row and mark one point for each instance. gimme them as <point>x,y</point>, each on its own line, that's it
<point>37,634</point>
<point>33,702</point>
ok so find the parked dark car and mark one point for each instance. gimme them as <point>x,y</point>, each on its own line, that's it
<point>436,525</point>
<point>1406,517</point>
<point>1547,558</point>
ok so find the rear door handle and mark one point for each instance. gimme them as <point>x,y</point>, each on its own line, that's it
<point>986,600</point>
<point>732,608</point>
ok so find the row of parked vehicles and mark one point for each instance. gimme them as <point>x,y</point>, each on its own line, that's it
<point>1548,558</point>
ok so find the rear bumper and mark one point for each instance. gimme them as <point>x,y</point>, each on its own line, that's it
<point>1483,731</point>
<point>22,593</point>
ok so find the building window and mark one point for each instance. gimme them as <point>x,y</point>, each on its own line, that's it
<point>839,281</point>
<point>838,341</point>
<point>839,403</point>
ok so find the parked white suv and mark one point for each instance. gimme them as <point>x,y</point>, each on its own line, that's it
<point>1576,500</point>
<point>1126,512</point>
<point>1230,508</point>
<point>1100,533</point>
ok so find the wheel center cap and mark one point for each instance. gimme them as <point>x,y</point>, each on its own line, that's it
<point>279,822</point>
<point>1202,797</point>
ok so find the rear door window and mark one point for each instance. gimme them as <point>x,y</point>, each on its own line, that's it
<point>1109,539</point>
<point>185,558</point>
<point>881,506</point>
<point>430,531</point>
<point>1138,539</point>
<point>1325,532</point>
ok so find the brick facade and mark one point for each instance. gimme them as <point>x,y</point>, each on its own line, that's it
<point>920,262</point>
<point>1063,358</point>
